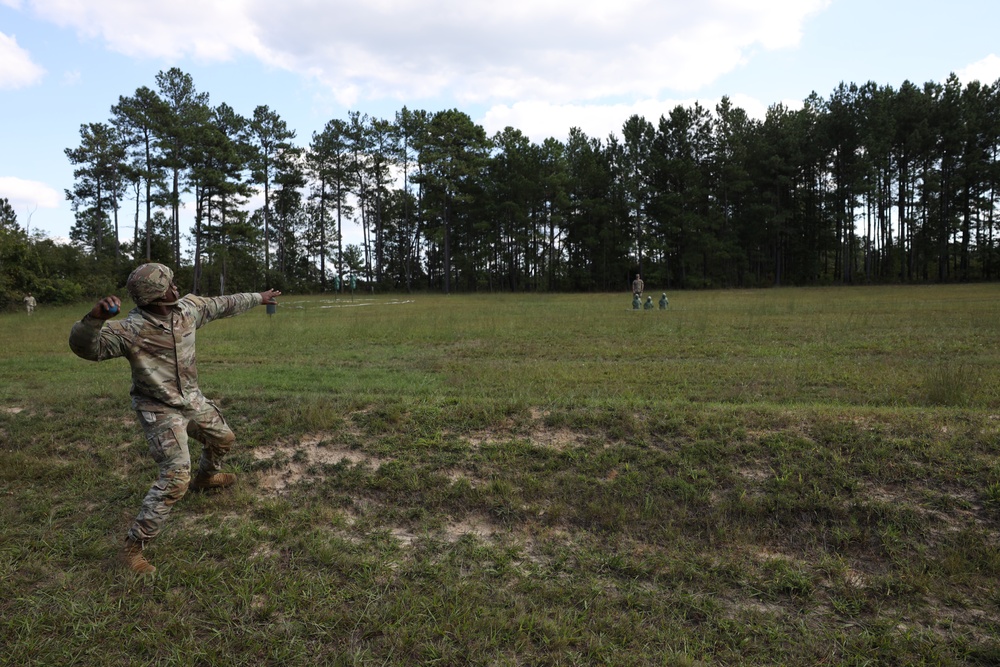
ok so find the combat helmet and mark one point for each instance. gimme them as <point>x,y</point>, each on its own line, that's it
<point>148,283</point>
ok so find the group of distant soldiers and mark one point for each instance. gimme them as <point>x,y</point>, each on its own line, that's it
<point>637,303</point>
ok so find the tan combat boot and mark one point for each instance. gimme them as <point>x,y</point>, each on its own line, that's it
<point>133,559</point>
<point>219,480</point>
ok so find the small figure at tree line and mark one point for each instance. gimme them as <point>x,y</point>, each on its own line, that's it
<point>30,303</point>
<point>637,286</point>
<point>664,302</point>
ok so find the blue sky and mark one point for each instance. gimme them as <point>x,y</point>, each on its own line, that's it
<point>541,66</point>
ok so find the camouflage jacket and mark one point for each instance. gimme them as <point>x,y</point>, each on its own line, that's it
<point>160,350</point>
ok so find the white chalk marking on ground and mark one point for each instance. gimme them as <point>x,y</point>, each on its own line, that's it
<point>375,303</point>
<point>295,305</point>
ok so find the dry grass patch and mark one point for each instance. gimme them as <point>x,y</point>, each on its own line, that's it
<point>964,509</point>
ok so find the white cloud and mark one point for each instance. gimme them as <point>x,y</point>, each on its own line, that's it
<point>986,71</point>
<point>562,51</point>
<point>757,109</point>
<point>209,30</point>
<point>16,67</point>
<point>23,194</point>
<point>539,120</point>
<point>546,49</point>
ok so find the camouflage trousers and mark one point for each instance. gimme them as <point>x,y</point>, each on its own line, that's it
<point>167,433</point>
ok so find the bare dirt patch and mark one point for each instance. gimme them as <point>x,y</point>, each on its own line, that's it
<point>476,526</point>
<point>855,579</point>
<point>453,531</point>
<point>537,433</point>
<point>755,474</point>
<point>558,439</point>
<point>298,461</point>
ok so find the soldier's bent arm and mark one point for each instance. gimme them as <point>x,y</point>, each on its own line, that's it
<point>90,339</point>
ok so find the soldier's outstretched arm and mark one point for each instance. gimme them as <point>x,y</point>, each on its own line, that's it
<point>217,307</point>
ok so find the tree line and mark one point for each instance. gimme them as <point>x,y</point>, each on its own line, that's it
<point>870,185</point>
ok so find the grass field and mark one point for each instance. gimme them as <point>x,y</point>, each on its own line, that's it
<point>788,476</point>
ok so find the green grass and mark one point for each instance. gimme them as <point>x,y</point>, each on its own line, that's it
<point>789,476</point>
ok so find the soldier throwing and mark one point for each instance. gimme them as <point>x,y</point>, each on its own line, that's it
<point>158,339</point>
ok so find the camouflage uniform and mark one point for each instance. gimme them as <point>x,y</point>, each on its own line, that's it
<point>638,286</point>
<point>165,393</point>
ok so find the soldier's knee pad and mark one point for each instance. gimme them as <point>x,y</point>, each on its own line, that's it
<point>225,443</point>
<point>177,485</point>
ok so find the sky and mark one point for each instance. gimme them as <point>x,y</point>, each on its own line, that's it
<point>540,66</point>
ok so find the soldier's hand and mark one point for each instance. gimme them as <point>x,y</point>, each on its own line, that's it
<point>106,308</point>
<point>269,296</point>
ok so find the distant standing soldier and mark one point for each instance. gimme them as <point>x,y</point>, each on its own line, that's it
<point>637,286</point>
<point>664,302</point>
<point>158,339</point>
<point>30,303</point>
